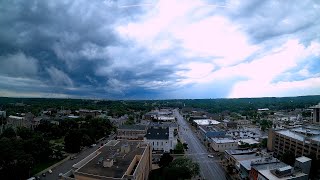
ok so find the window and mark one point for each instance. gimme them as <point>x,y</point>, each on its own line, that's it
<point>157,143</point>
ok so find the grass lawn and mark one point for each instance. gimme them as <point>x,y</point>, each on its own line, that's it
<point>57,141</point>
<point>41,166</point>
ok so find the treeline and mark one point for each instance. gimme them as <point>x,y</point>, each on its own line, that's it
<point>23,151</point>
<point>119,108</point>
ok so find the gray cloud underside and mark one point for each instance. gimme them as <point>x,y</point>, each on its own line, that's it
<point>71,47</point>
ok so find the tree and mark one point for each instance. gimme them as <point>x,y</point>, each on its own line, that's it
<point>179,148</point>
<point>72,141</point>
<point>165,160</point>
<point>264,143</point>
<point>288,158</point>
<point>9,133</point>
<point>24,133</point>
<point>185,145</point>
<point>182,168</point>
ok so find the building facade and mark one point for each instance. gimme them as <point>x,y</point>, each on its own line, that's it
<point>301,141</point>
<point>222,144</point>
<point>131,132</point>
<point>316,114</point>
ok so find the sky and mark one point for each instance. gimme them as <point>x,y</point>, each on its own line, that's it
<point>159,49</point>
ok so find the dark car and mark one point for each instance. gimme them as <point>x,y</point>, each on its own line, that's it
<point>44,174</point>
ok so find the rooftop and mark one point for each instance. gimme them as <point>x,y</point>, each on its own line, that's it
<point>223,140</point>
<point>315,107</point>
<point>16,117</point>
<point>206,122</point>
<point>269,175</point>
<point>209,128</point>
<point>303,159</point>
<point>112,151</point>
<point>250,141</point>
<point>237,151</point>
<point>163,124</point>
<point>259,161</point>
<point>159,133</point>
<point>133,127</point>
<point>290,134</point>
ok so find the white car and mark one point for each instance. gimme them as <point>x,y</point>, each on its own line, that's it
<point>210,156</point>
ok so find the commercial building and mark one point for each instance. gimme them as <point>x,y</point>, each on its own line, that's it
<point>116,160</point>
<point>161,139</point>
<point>206,122</point>
<point>316,114</point>
<point>208,132</point>
<point>234,157</point>
<point>281,171</point>
<point>222,144</point>
<point>301,141</point>
<point>131,132</point>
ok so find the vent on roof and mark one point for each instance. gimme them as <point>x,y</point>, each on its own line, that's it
<point>157,133</point>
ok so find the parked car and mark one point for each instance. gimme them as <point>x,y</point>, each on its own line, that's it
<point>210,156</point>
<point>50,171</point>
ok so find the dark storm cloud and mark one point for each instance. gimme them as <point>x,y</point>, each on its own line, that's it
<point>73,44</point>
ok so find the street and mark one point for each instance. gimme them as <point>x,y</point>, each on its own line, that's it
<point>209,168</point>
<point>66,166</point>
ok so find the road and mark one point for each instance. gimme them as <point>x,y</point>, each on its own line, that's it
<point>66,166</point>
<point>209,168</point>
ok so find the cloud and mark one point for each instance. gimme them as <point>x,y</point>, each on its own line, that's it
<point>158,49</point>
<point>58,77</point>
<point>18,65</point>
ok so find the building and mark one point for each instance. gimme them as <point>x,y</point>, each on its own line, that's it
<point>230,124</point>
<point>234,156</point>
<point>131,132</point>
<point>222,144</point>
<point>316,114</point>
<point>243,122</point>
<point>273,169</point>
<point>161,139</point>
<point>301,141</point>
<point>116,160</point>
<point>3,114</point>
<point>17,121</point>
<point>247,171</point>
<point>92,113</point>
<point>206,122</point>
<point>208,132</point>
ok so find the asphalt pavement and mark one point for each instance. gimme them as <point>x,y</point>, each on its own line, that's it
<point>209,167</point>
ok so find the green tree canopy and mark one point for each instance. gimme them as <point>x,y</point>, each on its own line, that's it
<point>165,160</point>
<point>182,168</point>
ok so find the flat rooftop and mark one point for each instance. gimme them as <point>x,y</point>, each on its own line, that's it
<point>268,174</point>
<point>112,150</point>
<point>240,151</point>
<point>303,159</point>
<point>210,128</point>
<point>133,127</point>
<point>290,134</point>
<point>206,122</point>
<point>223,140</point>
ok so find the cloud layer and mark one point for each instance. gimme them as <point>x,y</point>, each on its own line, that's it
<point>159,49</point>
